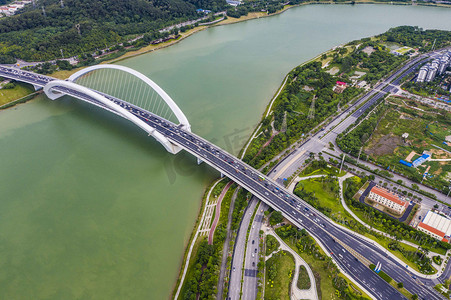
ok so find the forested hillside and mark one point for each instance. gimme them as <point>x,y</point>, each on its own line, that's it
<point>34,36</point>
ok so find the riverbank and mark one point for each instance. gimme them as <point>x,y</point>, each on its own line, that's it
<point>230,20</point>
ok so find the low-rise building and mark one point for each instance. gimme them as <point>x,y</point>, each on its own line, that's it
<point>340,87</point>
<point>388,199</point>
<point>436,225</point>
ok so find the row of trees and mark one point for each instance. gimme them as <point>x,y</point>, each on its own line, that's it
<point>416,37</point>
<point>289,123</point>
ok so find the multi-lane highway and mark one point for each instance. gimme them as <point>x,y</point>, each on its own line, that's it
<point>340,123</point>
<point>347,118</point>
<point>296,210</point>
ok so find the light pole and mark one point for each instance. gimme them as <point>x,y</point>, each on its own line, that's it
<point>359,155</point>
<point>342,161</point>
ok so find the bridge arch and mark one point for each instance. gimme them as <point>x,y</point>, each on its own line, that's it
<point>172,105</point>
<point>49,90</point>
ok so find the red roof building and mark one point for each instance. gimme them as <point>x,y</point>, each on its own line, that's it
<point>388,199</point>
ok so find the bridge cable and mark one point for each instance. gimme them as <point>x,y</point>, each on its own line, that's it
<point>152,106</point>
<point>116,84</point>
<point>140,97</point>
<point>146,97</point>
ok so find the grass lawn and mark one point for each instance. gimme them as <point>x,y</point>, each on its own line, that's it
<point>279,273</point>
<point>303,279</point>
<point>21,90</point>
<point>326,171</point>
<point>327,197</point>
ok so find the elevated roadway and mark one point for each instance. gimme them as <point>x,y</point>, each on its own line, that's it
<point>270,192</point>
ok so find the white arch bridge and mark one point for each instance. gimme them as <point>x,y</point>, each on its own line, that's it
<point>150,108</point>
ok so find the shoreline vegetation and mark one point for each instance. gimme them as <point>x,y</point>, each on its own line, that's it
<point>188,33</point>
<point>339,58</point>
<point>64,74</point>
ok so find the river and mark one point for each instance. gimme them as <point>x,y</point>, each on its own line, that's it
<point>91,208</point>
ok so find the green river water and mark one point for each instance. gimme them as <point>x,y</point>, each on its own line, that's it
<point>92,208</point>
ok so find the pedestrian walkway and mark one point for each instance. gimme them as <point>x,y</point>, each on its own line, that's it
<point>295,292</point>
<point>218,212</point>
<point>198,233</point>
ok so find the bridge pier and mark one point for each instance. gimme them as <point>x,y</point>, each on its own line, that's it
<point>199,161</point>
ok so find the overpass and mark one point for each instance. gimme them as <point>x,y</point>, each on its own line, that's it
<point>345,247</point>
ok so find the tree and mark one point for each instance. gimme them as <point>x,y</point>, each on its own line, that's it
<point>276,217</point>
<point>400,285</point>
<point>414,297</point>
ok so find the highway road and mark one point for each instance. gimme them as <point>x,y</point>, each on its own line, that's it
<point>275,195</point>
<point>347,118</point>
<point>250,279</point>
<point>320,140</point>
<point>239,252</point>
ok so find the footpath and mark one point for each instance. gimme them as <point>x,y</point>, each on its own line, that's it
<point>218,212</point>
<point>295,292</point>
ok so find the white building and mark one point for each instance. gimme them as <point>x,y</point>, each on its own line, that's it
<point>423,73</point>
<point>437,226</point>
<point>432,72</point>
<point>388,199</point>
<point>444,63</point>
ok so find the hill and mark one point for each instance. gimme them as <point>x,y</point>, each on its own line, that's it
<point>34,36</point>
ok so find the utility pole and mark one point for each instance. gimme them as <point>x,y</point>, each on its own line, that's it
<point>43,11</point>
<point>62,56</point>
<point>342,161</point>
<point>359,155</point>
<point>78,28</point>
<point>311,113</point>
<point>34,3</point>
<point>433,45</point>
<point>62,4</point>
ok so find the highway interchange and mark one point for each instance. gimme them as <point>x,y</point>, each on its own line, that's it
<point>275,195</point>
<point>318,141</point>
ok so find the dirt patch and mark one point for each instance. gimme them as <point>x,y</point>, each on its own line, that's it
<point>405,117</point>
<point>333,71</point>
<point>368,50</point>
<point>385,145</point>
<point>409,157</point>
<point>439,154</point>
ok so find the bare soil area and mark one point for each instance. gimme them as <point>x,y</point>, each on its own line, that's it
<point>385,145</point>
